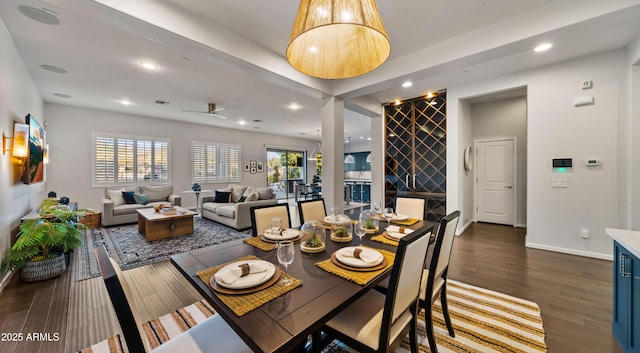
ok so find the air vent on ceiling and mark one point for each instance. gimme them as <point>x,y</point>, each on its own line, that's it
<point>62,95</point>
<point>53,68</point>
<point>45,16</point>
<point>161,102</point>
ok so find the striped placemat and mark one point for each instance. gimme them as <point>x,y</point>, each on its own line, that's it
<point>361,278</point>
<point>241,304</point>
<point>384,240</point>
<point>261,244</point>
<point>406,222</point>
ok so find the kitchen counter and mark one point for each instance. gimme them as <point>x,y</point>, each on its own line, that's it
<point>630,239</point>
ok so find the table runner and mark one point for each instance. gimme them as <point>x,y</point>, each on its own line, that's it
<point>261,244</point>
<point>361,278</point>
<point>244,303</point>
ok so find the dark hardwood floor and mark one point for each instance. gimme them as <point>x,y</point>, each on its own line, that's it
<point>574,294</point>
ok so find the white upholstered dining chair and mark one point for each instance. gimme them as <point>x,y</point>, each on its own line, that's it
<point>434,279</point>
<point>411,206</point>
<point>211,335</point>
<point>377,322</point>
<point>261,217</point>
<point>311,210</point>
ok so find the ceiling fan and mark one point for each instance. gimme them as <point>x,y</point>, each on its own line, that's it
<point>213,111</point>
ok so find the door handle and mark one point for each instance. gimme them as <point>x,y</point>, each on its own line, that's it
<point>623,266</point>
<point>406,181</point>
<point>414,181</point>
<point>508,186</point>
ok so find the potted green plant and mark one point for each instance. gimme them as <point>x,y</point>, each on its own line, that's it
<point>41,244</point>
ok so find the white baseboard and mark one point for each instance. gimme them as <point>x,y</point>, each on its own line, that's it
<point>520,225</point>
<point>464,227</point>
<point>6,279</point>
<point>570,251</point>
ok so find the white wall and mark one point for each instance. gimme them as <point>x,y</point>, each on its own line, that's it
<point>69,137</point>
<point>506,118</point>
<point>558,129</point>
<point>467,177</point>
<point>633,129</point>
<point>18,97</point>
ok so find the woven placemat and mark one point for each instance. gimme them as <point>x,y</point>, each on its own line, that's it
<point>260,244</point>
<point>244,303</point>
<point>361,278</point>
<point>384,240</point>
<point>406,222</point>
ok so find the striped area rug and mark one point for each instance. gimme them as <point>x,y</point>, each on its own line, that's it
<point>484,321</point>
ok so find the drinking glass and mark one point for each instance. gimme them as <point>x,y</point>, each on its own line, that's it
<point>376,206</point>
<point>276,226</point>
<point>358,228</point>
<point>285,257</point>
<point>388,215</point>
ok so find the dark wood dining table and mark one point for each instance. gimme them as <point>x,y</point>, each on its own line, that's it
<point>284,324</point>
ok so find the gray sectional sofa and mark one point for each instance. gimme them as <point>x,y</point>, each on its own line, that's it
<point>235,212</point>
<point>115,210</point>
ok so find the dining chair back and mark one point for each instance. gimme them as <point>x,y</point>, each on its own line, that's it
<point>211,335</point>
<point>122,301</point>
<point>411,206</point>
<point>261,217</point>
<point>311,210</point>
<point>360,325</point>
<point>434,279</point>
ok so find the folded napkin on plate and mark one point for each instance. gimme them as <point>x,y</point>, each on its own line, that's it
<point>398,232</point>
<point>366,256</point>
<point>232,274</point>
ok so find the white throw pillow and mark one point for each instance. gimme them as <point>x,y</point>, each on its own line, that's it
<point>252,197</point>
<point>116,197</point>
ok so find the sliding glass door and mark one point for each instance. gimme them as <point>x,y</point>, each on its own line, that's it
<point>285,169</point>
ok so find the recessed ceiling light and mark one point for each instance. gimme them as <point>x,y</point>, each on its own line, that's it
<point>430,95</point>
<point>361,137</point>
<point>149,66</point>
<point>242,122</point>
<point>368,138</point>
<point>125,102</point>
<point>45,16</point>
<point>62,95</point>
<point>54,68</point>
<point>294,106</point>
<point>397,102</point>
<point>542,47</point>
<point>407,84</point>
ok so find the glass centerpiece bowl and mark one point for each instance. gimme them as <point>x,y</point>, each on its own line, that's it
<point>312,237</point>
<point>370,221</point>
<point>341,232</point>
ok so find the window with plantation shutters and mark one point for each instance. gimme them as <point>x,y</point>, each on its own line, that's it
<point>125,160</point>
<point>214,163</point>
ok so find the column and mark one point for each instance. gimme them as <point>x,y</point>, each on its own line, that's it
<point>332,151</point>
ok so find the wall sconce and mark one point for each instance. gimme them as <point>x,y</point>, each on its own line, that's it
<point>19,148</point>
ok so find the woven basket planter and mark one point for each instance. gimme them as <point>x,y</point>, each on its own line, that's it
<point>34,271</point>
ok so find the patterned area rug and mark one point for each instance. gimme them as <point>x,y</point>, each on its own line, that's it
<point>129,248</point>
<point>484,321</point>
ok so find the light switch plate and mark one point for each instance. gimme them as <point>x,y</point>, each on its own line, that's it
<point>559,183</point>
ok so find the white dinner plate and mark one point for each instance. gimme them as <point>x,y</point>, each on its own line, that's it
<point>345,255</point>
<point>286,234</point>
<point>252,279</point>
<point>397,216</point>
<point>341,219</point>
<point>394,232</point>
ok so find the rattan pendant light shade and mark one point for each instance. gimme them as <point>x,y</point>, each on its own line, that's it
<point>336,39</point>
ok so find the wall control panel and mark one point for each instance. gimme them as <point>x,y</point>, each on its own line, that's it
<point>562,162</point>
<point>593,162</point>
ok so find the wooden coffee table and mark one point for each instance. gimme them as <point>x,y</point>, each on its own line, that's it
<point>156,226</point>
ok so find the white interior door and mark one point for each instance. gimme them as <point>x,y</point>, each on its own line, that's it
<point>495,187</point>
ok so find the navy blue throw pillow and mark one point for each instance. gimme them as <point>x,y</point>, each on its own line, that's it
<point>221,197</point>
<point>128,197</point>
